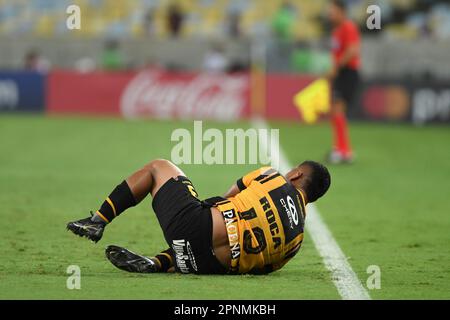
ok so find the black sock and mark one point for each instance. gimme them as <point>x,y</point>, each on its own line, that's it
<point>165,260</point>
<point>120,199</point>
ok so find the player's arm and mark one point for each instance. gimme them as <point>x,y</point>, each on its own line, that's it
<point>234,190</point>
<point>242,183</point>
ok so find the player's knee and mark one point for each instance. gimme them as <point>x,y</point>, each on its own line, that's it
<point>156,165</point>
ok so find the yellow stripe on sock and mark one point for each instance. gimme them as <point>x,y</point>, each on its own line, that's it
<point>159,262</point>
<point>112,206</point>
<point>102,216</point>
<point>168,256</point>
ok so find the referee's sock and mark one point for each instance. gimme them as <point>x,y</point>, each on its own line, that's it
<point>340,131</point>
<point>120,199</point>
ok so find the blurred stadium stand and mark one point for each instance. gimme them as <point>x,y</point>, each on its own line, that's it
<point>143,29</point>
<point>135,18</point>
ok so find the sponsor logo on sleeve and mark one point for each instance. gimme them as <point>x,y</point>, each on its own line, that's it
<point>291,211</point>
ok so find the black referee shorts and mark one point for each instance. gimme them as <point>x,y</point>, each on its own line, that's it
<point>345,85</point>
<point>187,226</point>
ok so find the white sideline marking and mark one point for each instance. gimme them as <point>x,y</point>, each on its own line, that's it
<point>343,276</point>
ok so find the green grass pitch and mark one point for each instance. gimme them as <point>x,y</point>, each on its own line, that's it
<point>391,209</point>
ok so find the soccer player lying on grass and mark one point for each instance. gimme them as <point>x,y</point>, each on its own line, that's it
<point>257,227</point>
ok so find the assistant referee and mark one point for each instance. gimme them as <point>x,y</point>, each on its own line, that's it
<point>344,78</point>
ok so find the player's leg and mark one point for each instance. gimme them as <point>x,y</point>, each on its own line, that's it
<point>128,193</point>
<point>184,219</point>
<point>152,177</point>
<point>136,187</point>
<point>186,222</point>
<point>129,261</point>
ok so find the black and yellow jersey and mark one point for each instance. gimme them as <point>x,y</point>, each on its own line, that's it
<point>264,222</point>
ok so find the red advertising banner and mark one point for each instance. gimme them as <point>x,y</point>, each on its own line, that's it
<point>161,94</point>
<point>150,93</point>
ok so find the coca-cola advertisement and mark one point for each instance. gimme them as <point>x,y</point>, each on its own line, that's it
<point>199,96</point>
<point>151,94</point>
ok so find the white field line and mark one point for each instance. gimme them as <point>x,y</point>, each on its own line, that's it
<point>342,274</point>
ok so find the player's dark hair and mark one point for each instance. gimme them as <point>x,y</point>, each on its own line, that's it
<point>320,180</point>
<point>340,4</point>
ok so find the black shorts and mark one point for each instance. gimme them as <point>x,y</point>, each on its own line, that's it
<point>345,85</point>
<point>187,226</point>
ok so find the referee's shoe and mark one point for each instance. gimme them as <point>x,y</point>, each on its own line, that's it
<point>336,157</point>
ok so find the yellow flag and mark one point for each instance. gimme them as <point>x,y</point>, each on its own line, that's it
<point>313,100</point>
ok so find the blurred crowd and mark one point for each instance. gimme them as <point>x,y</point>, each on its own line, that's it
<point>287,26</point>
<point>301,19</point>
